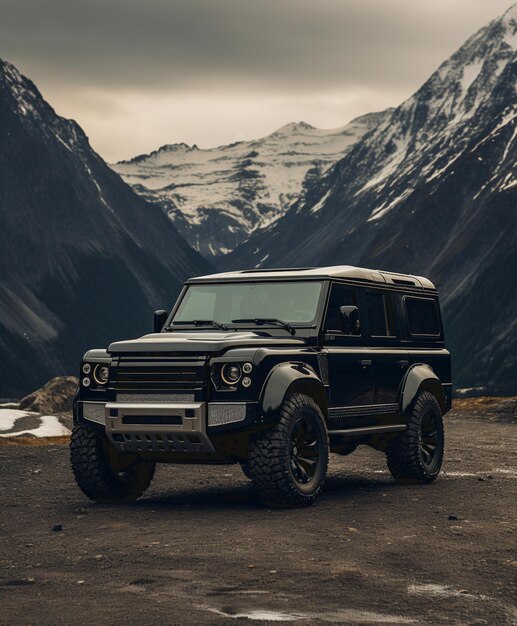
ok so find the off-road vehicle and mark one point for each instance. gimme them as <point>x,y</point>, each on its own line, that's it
<point>273,370</point>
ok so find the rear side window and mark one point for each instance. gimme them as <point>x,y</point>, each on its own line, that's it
<point>380,315</point>
<point>339,296</point>
<point>422,316</point>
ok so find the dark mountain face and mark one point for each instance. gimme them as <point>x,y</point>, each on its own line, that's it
<point>83,259</point>
<point>433,191</point>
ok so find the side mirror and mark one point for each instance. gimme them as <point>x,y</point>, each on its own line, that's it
<point>160,317</point>
<point>350,320</point>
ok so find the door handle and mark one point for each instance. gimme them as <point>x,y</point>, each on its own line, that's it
<point>365,362</point>
<point>403,363</point>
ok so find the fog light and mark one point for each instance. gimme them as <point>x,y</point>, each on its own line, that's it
<point>87,368</point>
<point>247,367</point>
<point>246,381</point>
<point>86,381</point>
<point>101,374</point>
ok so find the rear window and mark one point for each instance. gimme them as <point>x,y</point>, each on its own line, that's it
<point>380,315</point>
<point>422,316</point>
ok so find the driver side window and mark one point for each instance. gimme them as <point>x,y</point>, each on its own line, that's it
<point>340,296</point>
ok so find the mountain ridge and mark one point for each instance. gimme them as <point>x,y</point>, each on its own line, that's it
<point>218,196</point>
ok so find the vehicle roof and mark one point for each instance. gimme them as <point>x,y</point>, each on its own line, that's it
<point>360,274</point>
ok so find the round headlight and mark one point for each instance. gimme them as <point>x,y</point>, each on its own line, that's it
<point>247,367</point>
<point>246,381</point>
<point>101,374</point>
<point>86,381</point>
<point>87,368</point>
<point>231,373</point>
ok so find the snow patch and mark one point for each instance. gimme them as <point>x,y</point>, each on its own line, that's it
<point>470,73</point>
<point>383,209</point>
<point>8,417</point>
<point>319,205</point>
<point>343,616</point>
<point>49,426</point>
<point>443,591</point>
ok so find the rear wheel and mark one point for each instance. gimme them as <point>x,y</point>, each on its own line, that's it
<point>288,463</point>
<point>103,473</point>
<point>415,456</point>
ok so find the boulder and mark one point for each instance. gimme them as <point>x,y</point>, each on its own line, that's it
<point>54,397</point>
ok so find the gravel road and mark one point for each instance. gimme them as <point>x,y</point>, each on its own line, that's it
<point>200,549</point>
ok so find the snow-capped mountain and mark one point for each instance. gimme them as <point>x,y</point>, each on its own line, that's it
<point>217,197</point>
<point>83,259</point>
<point>431,190</point>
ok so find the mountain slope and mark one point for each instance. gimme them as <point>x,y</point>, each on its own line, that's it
<point>83,259</point>
<point>217,197</point>
<point>432,190</point>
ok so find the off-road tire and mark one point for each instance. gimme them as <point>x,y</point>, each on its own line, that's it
<point>406,454</point>
<point>103,473</point>
<point>271,455</point>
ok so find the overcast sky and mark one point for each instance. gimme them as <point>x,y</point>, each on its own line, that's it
<point>139,74</point>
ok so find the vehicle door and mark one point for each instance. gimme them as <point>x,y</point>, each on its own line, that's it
<point>350,371</point>
<point>390,360</point>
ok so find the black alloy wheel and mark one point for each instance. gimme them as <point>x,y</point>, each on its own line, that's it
<point>428,439</point>
<point>304,450</point>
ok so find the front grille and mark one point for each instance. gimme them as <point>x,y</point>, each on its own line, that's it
<point>145,374</point>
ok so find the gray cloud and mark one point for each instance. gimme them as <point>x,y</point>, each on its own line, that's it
<point>168,44</point>
<point>290,48</point>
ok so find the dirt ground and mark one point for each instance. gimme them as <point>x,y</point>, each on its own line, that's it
<point>199,548</point>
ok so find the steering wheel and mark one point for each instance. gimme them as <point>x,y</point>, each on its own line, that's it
<point>301,316</point>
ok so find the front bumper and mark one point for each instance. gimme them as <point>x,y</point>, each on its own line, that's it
<point>177,427</point>
<point>158,427</point>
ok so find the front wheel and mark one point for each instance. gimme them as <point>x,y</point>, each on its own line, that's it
<point>103,473</point>
<point>288,462</point>
<point>415,456</point>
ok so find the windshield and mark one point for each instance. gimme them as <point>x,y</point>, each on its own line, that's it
<point>295,302</point>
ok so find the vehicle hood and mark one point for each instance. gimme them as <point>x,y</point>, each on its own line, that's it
<point>200,342</point>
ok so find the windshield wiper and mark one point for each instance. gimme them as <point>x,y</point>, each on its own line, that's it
<point>259,321</point>
<point>200,323</point>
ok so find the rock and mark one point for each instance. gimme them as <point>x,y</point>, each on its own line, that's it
<point>57,527</point>
<point>452,517</point>
<point>54,397</point>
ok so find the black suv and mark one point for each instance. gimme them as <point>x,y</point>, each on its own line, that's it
<point>273,370</point>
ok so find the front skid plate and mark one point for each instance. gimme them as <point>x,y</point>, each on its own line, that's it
<point>159,427</point>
